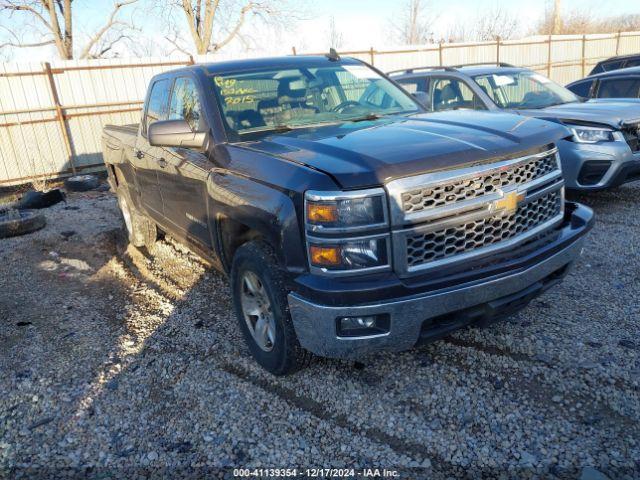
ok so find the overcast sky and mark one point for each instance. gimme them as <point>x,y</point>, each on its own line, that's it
<point>362,23</point>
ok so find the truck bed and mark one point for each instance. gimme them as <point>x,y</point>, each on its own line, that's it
<point>115,139</point>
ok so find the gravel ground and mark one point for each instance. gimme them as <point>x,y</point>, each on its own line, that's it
<point>114,361</point>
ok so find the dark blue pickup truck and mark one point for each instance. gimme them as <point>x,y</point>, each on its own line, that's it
<point>348,219</point>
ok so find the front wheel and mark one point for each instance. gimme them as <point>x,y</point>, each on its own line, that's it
<point>260,301</point>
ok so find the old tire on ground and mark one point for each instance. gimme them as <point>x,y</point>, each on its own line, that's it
<point>141,231</point>
<point>260,302</point>
<point>36,199</point>
<point>20,222</point>
<point>81,183</point>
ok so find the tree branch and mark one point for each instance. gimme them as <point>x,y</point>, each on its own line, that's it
<point>27,45</point>
<point>177,46</point>
<point>110,23</point>
<point>25,8</point>
<point>243,13</point>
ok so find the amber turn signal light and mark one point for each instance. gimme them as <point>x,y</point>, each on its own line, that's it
<point>325,256</point>
<point>322,213</point>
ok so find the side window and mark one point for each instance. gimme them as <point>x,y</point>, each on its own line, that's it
<point>634,62</point>
<point>413,85</point>
<point>158,100</point>
<point>185,103</point>
<point>615,65</point>
<point>453,94</point>
<point>619,88</point>
<point>582,89</point>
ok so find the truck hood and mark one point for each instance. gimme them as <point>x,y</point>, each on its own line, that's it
<point>612,113</point>
<point>371,153</point>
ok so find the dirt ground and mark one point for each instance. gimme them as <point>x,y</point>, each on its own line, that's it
<point>115,360</point>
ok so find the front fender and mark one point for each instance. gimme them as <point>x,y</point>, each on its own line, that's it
<point>269,211</point>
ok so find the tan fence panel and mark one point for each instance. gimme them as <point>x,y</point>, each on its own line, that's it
<point>51,116</point>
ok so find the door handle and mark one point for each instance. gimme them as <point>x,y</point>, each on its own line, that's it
<point>139,154</point>
<point>162,162</point>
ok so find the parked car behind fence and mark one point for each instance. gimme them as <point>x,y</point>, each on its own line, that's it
<point>602,148</point>
<point>624,83</point>
<point>616,63</point>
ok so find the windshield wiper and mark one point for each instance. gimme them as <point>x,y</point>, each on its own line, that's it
<point>271,128</point>
<point>369,116</point>
<point>281,128</point>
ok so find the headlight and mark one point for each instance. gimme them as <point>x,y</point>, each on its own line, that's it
<point>345,211</point>
<point>344,254</point>
<point>347,232</point>
<point>584,134</point>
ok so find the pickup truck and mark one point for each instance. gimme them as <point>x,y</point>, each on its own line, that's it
<point>347,218</point>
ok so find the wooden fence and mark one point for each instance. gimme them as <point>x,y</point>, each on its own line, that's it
<point>52,114</point>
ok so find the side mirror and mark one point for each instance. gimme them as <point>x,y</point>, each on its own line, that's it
<point>421,97</point>
<point>175,133</point>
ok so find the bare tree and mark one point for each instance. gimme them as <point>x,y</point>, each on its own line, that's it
<point>415,23</point>
<point>495,22</point>
<point>583,21</point>
<point>557,16</point>
<point>213,24</point>
<point>54,25</point>
<point>334,36</point>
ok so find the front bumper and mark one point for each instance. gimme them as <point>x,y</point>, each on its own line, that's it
<point>598,166</point>
<point>434,313</point>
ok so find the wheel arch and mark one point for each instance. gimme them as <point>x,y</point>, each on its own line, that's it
<point>247,210</point>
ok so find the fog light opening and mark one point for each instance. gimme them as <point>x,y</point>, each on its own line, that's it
<point>362,326</point>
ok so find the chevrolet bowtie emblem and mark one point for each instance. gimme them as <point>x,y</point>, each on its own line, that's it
<point>510,201</point>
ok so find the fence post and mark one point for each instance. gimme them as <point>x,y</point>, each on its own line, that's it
<point>498,50</point>
<point>60,115</point>
<point>293,49</point>
<point>440,52</point>
<point>618,44</point>
<point>584,55</point>
<point>371,55</point>
<point>549,41</point>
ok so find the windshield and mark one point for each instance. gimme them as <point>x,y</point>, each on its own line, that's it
<point>274,99</point>
<point>524,90</point>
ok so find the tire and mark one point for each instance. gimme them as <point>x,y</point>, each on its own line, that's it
<point>34,199</point>
<point>256,261</point>
<point>141,231</point>
<point>20,222</point>
<point>81,183</point>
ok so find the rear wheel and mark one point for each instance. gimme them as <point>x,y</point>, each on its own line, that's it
<point>260,301</point>
<point>141,231</point>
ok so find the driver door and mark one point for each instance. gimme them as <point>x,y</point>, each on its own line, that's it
<point>145,156</point>
<point>184,171</point>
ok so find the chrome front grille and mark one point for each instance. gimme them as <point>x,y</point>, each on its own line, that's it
<point>449,216</point>
<point>447,193</point>
<point>448,242</point>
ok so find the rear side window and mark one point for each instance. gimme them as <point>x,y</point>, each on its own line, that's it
<point>185,103</point>
<point>582,89</point>
<point>619,88</point>
<point>453,94</point>
<point>158,101</point>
